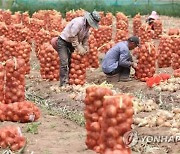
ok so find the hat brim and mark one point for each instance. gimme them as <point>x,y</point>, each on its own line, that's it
<point>91,22</point>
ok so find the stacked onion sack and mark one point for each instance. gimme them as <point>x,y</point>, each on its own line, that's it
<point>108,118</point>
<point>17,49</point>
<point>41,37</point>
<point>2,39</point>
<point>146,61</point>
<point>23,111</point>
<point>165,50</point>
<point>49,62</point>
<point>121,22</point>
<point>104,48</point>
<point>102,35</point>
<point>18,33</point>
<point>77,73</point>
<point>173,31</point>
<point>2,76</point>
<point>136,24</point>
<point>73,14</point>
<point>145,33</point>
<point>92,55</point>
<point>16,18</point>
<point>117,120</point>
<point>175,63</point>
<point>15,80</point>
<point>3,29</point>
<point>93,114</point>
<point>11,137</point>
<point>176,73</point>
<point>157,29</point>
<point>121,35</point>
<point>7,16</point>
<point>107,19</point>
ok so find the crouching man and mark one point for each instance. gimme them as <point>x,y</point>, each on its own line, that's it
<point>118,60</point>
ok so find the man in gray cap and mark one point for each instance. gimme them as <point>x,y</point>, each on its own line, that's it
<point>118,60</point>
<point>75,36</point>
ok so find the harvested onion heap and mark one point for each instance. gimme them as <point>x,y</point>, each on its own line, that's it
<point>102,35</point>
<point>165,50</point>
<point>49,62</point>
<point>162,118</point>
<point>176,73</point>
<point>24,111</point>
<point>107,19</point>
<point>41,37</point>
<point>14,80</point>
<point>157,28</point>
<point>7,16</point>
<point>136,24</point>
<point>121,21</point>
<point>145,33</point>
<point>3,29</point>
<point>2,76</point>
<point>11,137</point>
<point>175,63</point>
<point>173,31</point>
<point>121,35</point>
<point>17,49</point>
<point>104,48</point>
<point>77,73</point>
<point>172,85</point>
<point>92,55</point>
<point>146,61</point>
<point>16,18</point>
<point>73,14</point>
<point>108,118</point>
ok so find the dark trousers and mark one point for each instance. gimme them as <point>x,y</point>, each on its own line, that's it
<point>65,50</point>
<point>123,72</point>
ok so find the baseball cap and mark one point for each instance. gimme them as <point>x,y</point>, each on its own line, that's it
<point>134,39</point>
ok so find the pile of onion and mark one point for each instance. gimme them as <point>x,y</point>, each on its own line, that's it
<point>73,14</point>
<point>102,35</point>
<point>107,19</point>
<point>121,35</point>
<point>146,61</point>
<point>7,16</point>
<point>25,19</point>
<point>2,39</point>
<point>104,48</point>
<point>16,18</point>
<point>3,29</point>
<point>117,120</point>
<point>24,111</point>
<point>18,32</point>
<point>121,21</point>
<point>41,37</point>
<point>15,80</point>
<point>2,76</point>
<point>145,33</point>
<point>49,62</point>
<point>77,73</point>
<point>173,31</point>
<point>136,24</point>
<point>175,63</point>
<point>93,114</point>
<point>11,137</point>
<point>157,28</point>
<point>176,73</point>
<point>165,50</point>
<point>93,60</point>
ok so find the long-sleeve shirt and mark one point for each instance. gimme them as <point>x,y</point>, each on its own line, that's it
<point>119,55</point>
<point>76,27</point>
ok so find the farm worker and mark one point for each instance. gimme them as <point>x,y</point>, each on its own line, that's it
<point>150,20</point>
<point>75,37</point>
<point>118,60</point>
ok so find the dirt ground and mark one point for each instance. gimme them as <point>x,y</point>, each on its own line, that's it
<point>57,135</point>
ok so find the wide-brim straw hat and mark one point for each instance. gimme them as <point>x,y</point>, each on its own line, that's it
<point>93,19</point>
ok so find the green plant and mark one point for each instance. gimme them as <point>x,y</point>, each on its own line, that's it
<point>33,127</point>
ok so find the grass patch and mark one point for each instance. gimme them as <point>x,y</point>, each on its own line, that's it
<point>32,127</point>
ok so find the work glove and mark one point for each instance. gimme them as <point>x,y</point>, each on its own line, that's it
<point>74,41</point>
<point>81,50</point>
